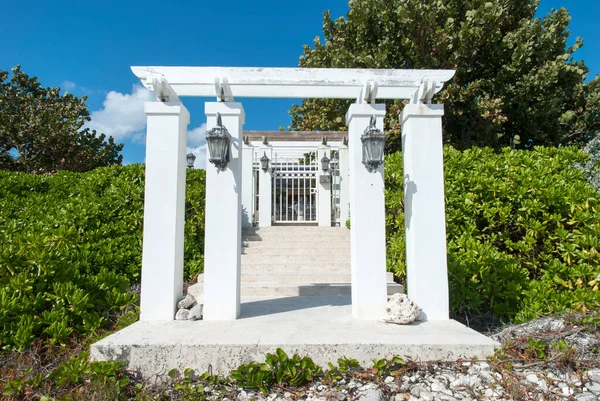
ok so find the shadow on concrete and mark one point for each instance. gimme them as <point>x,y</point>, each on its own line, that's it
<point>288,304</point>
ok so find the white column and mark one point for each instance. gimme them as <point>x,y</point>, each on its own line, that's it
<point>164,210</point>
<point>323,189</point>
<point>344,185</point>
<point>247,189</point>
<point>223,220</point>
<point>265,191</point>
<point>426,265</point>
<point>367,220</point>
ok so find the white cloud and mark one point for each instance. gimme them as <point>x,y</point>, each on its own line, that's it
<point>197,136</point>
<point>122,115</point>
<point>68,85</point>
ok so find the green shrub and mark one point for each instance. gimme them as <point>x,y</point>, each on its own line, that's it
<point>278,368</point>
<point>523,231</point>
<point>71,247</point>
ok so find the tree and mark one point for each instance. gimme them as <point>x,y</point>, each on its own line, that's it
<point>43,131</point>
<point>516,81</point>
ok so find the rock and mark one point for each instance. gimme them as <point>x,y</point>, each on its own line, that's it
<point>593,386</point>
<point>426,396</point>
<point>182,314</point>
<point>372,394</point>
<point>594,375</point>
<point>196,312</point>
<point>586,397</point>
<point>187,302</point>
<point>401,310</point>
<point>436,386</point>
<point>417,390</point>
<point>389,379</point>
<point>532,378</point>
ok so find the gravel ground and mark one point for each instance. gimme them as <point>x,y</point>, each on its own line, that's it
<point>570,372</point>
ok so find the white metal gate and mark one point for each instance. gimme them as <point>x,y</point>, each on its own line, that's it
<point>295,190</point>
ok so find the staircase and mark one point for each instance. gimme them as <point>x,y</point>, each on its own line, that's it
<point>286,261</point>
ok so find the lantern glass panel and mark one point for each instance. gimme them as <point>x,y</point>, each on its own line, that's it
<point>377,150</point>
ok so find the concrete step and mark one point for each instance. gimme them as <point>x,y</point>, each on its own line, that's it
<point>298,278</point>
<point>343,252</point>
<point>292,233</point>
<point>303,258</point>
<point>318,267</point>
<point>276,289</point>
<point>294,229</point>
<point>310,243</point>
<point>301,239</point>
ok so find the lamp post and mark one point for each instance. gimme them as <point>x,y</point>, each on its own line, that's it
<point>190,158</point>
<point>218,141</point>
<point>373,144</point>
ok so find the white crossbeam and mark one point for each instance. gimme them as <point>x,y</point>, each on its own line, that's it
<point>335,83</point>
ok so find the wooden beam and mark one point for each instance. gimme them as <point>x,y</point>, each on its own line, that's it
<point>333,83</point>
<point>296,136</point>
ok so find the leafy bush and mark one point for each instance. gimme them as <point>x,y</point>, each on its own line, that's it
<point>278,368</point>
<point>523,231</point>
<point>71,247</point>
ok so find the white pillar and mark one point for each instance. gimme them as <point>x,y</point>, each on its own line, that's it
<point>247,187</point>
<point>324,189</point>
<point>223,220</point>
<point>426,265</point>
<point>265,191</point>
<point>164,210</point>
<point>367,220</point>
<point>344,185</point>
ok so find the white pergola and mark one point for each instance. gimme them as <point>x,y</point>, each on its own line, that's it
<point>162,261</point>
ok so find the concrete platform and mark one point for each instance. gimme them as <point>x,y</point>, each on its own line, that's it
<point>321,327</point>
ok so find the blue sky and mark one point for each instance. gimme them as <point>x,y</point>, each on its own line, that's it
<point>87,48</point>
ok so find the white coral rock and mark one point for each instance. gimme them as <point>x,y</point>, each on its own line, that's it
<point>182,314</point>
<point>187,302</point>
<point>401,310</point>
<point>196,312</point>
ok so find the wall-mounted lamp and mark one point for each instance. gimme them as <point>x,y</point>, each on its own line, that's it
<point>190,158</point>
<point>264,162</point>
<point>373,145</point>
<point>325,163</point>
<point>218,141</point>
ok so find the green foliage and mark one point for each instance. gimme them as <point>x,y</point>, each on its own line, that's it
<point>76,377</point>
<point>344,369</point>
<point>43,131</point>
<point>523,231</point>
<point>387,367</point>
<point>278,368</point>
<point>71,247</point>
<point>516,84</point>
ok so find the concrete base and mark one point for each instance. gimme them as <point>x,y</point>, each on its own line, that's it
<point>321,327</point>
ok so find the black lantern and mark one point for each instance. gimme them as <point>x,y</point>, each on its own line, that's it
<point>264,162</point>
<point>218,141</point>
<point>190,158</point>
<point>325,163</point>
<point>373,144</point>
